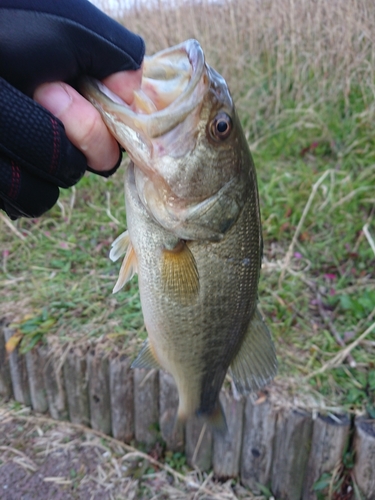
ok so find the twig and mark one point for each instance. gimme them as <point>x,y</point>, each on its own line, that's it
<point>62,208</point>
<point>369,237</point>
<point>72,203</point>
<point>340,356</point>
<point>289,253</point>
<point>333,330</point>
<point>203,485</point>
<point>148,375</point>
<point>200,439</point>
<point>108,209</point>
<point>11,227</point>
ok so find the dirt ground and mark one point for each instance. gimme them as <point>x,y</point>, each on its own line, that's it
<point>43,459</point>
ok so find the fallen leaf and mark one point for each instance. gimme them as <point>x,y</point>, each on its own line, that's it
<point>13,342</point>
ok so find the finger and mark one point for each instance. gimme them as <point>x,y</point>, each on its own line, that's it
<point>124,83</point>
<point>83,124</point>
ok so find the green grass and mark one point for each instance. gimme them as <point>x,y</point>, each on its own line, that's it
<point>330,283</point>
<point>62,274</point>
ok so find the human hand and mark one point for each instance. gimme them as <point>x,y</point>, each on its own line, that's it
<point>42,43</point>
<point>83,124</point>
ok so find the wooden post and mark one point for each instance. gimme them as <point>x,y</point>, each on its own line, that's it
<point>76,385</point>
<point>291,453</point>
<point>257,445</point>
<point>18,373</point>
<point>54,384</point>
<point>198,447</point>
<point>172,434</point>
<point>146,405</point>
<point>5,378</point>
<point>99,393</point>
<point>227,448</point>
<point>329,440</point>
<point>34,365</point>
<point>122,397</point>
<point>364,447</point>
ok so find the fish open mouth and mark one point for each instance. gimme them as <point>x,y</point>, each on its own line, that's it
<point>173,85</point>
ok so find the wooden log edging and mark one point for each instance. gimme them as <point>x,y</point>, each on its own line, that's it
<point>122,397</point>
<point>5,377</point>
<point>279,446</point>
<point>364,446</point>
<point>329,440</point>
<point>54,384</point>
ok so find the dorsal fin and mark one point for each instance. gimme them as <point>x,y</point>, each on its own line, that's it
<point>255,364</point>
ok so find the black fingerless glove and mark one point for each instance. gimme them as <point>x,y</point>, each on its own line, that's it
<point>44,41</point>
<point>36,158</point>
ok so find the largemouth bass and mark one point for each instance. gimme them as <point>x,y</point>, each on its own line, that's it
<point>194,230</point>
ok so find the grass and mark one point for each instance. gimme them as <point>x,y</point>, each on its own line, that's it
<point>302,76</point>
<point>62,272</point>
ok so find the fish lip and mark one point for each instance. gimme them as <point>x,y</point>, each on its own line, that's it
<point>160,122</point>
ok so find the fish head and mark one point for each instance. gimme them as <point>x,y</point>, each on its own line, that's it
<point>184,137</point>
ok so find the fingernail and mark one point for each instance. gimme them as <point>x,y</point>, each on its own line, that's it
<point>54,97</point>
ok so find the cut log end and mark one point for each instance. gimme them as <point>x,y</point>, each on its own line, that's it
<point>364,447</point>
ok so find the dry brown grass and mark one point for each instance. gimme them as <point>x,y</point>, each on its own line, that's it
<point>317,47</point>
<point>42,458</point>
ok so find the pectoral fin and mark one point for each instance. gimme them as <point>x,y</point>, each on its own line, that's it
<point>129,265</point>
<point>146,358</point>
<point>180,273</point>
<point>255,364</point>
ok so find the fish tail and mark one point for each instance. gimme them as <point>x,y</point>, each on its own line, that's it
<point>216,420</point>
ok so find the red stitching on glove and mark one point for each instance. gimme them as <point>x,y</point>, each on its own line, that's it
<point>16,181</point>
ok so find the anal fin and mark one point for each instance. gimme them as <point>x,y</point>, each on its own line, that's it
<point>146,358</point>
<point>255,365</point>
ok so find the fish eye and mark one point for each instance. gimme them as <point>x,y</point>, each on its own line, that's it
<point>221,126</point>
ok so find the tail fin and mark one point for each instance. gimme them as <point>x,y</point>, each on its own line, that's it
<point>216,419</point>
